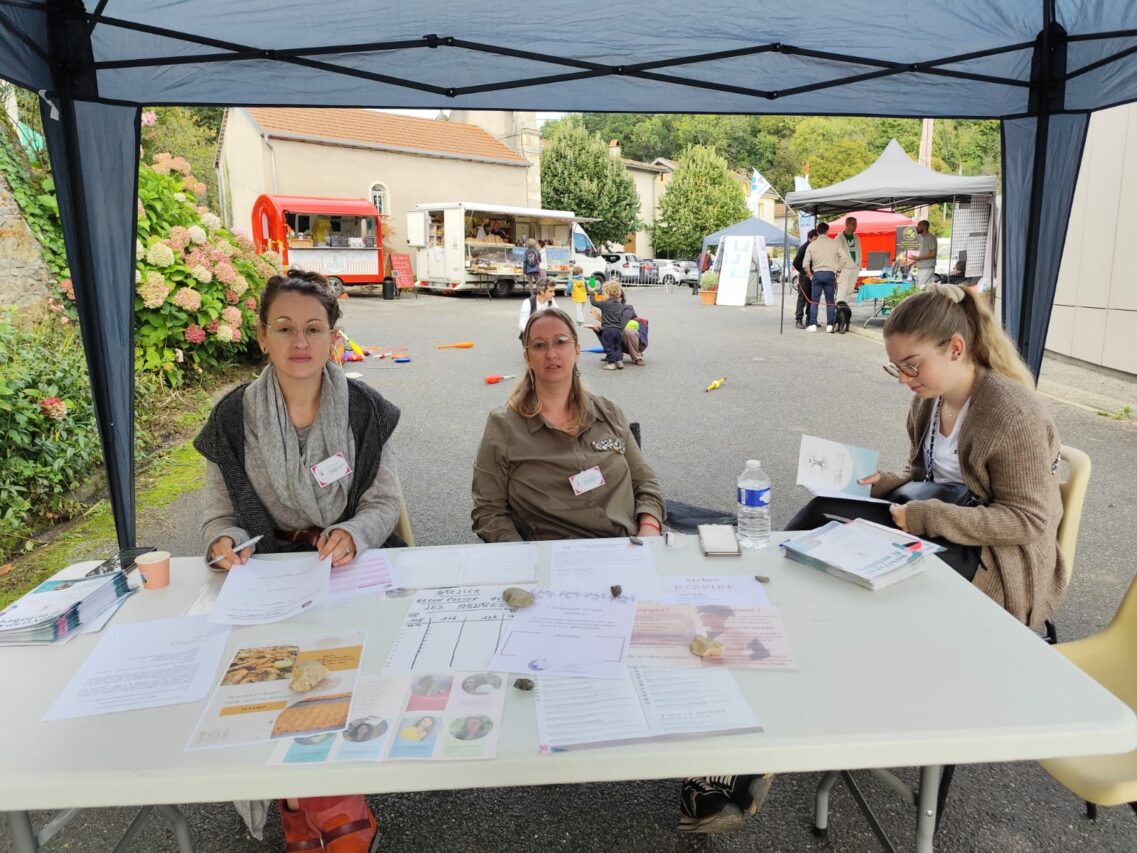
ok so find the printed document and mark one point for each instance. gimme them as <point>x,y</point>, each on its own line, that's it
<point>468,565</point>
<point>253,701</point>
<point>830,469</point>
<point>433,717</point>
<point>144,665</point>
<point>737,590</point>
<point>752,637</point>
<point>565,632</point>
<point>263,591</point>
<point>595,565</point>
<point>447,630</point>
<point>647,703</point>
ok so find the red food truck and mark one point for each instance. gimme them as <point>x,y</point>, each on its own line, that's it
<point>340,238</point>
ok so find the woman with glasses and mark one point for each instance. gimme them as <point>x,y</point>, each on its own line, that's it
<point>557,462</point>
<point>299,457</point>
<point>982,466</point>
<point>975,423</point>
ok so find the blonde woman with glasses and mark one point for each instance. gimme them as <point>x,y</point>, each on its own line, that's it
<point>981,480</point>
<point>557,462</point>
<point>299,457</point>
<point>982,465</point>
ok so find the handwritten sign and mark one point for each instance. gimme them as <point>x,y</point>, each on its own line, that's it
<point>401,269</point>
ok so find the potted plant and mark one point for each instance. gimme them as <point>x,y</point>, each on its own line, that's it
<point>708,288</point>
<point>895,298</point>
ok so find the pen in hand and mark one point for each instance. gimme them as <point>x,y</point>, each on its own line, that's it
<point>237,549</point>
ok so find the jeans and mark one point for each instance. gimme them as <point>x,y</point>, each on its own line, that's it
<point>613,342</point>
<point>824,283</point>
<point>804,294</point>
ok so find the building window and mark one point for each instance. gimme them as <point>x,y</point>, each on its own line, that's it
<point>379,197</point>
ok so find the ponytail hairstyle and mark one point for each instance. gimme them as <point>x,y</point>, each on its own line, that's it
<point>523,398</point>
<point>943,310</point>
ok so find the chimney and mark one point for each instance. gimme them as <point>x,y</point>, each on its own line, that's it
<point>614,148</point>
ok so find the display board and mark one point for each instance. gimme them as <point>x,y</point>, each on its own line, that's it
<point>742,263</point>
<point>401,269</point>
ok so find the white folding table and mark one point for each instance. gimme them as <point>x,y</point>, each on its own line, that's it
<point>926,673</point>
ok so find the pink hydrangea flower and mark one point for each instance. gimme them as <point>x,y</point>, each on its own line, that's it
<point>180,164</point>
<point>149,118</point>
<point>154,290</point>
<point>68,288</point>
<point>225,273</point>
<point>179,238</point>
<point>231,296</point>
<point>196,233</point>
<point>162,167</point>
<point>211,326</point>
<point>240,285</point>
<point>201,274</point>
<point>211,221</point>
<point>251,303</point>
<point>231,316</point>
<point>187,299</point>
<point>224,333</point>
<point>194,333</point>
<point>53,408</point>
<point>274,259</point>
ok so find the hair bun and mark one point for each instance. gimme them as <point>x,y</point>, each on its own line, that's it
<point>951,291</point>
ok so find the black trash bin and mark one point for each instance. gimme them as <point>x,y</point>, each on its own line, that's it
<point>388,288</point>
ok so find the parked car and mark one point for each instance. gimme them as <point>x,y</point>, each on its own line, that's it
<point>673,272</point>
<point>628,268</point>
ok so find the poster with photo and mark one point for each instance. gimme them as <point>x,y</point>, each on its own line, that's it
<point>419,717</point>
<point>253,702</point>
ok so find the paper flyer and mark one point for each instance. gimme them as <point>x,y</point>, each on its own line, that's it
<point>831,469</point>
<point>253,701</point>
<point>753,637</point>
<point>429,717</point>
<point>445,630</point>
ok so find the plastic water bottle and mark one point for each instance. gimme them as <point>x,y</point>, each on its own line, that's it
<point>753,506</point>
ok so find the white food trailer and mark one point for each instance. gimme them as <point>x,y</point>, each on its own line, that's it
<point>466,245</point>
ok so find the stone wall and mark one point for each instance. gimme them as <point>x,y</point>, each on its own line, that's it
<point>24,277</point>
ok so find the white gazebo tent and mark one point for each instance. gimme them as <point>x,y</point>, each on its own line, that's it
<point>1039,66</point>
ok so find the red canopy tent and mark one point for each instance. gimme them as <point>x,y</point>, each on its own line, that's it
<point>877,230</point>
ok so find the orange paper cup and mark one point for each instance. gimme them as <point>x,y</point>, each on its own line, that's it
<point>155,569</point>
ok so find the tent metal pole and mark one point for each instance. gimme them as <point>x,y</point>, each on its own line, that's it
<point>785,261</point>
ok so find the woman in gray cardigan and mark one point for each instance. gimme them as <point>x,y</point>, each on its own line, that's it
<point>299,457</point>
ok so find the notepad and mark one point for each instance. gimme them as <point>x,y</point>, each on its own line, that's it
<point>718,540</point>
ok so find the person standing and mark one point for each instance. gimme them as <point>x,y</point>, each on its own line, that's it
<point>578,290</point>
<point>804,282</point>
<point>925,254</point>
<point>539,301</point>
<point>824,260</point>
<point>532,264</point>
<point>851,244</point>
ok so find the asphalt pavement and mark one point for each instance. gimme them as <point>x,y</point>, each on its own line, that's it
<point>777,387</point>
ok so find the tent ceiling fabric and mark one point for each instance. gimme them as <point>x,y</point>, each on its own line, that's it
<point>878,57</point>
<point>1038,65</point>
<point>894,180</point>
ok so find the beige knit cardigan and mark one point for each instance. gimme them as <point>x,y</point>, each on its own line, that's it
<point>1008,452</point>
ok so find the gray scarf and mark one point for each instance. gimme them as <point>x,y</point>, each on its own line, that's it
<point>274,439</point>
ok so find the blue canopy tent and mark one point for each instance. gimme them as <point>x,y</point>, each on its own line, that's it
<point>1039,66</point>
<point>752,227</point>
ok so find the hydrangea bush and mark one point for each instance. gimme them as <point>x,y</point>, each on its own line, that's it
<point>197,284</point>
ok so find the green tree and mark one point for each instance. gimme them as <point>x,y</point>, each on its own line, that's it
<point>703,196</point>
<point>578,174</point>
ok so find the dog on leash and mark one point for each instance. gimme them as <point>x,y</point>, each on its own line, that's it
<point>844,315</point>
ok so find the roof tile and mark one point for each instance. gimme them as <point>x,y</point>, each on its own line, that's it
<point>386,130</point>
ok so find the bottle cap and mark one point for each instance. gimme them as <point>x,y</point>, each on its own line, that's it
<point>754,462</point>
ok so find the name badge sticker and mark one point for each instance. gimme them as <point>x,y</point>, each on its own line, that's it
<point>331,469</point>
<point>586,480</point>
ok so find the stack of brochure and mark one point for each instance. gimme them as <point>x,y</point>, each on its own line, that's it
<point>862,552</point>
<point>56,610</point>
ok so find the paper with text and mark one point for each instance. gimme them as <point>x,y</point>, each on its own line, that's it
<point>831,469</point>
<point>449,630</point>
<point>468,565</point>
<point>595,565</point>
<point>263,591</point>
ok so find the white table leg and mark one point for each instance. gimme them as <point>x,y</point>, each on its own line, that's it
<point>21,832</point>
<point>926,808</point>
<point>821,803</point>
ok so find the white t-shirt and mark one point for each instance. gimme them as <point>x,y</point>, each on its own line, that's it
<point>927,244</point>
<point>525,310</point>
<point>945,460</point>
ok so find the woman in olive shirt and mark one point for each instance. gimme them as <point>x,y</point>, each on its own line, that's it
<point>556,462</point>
